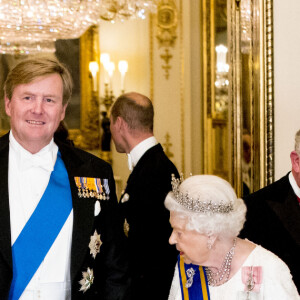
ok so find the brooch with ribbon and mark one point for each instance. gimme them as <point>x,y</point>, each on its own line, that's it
<point>252,280</point>
<point>89,187</point>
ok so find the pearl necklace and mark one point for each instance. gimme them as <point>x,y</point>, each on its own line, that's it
<point>215,278</point>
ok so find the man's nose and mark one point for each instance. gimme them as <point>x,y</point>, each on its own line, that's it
<point>38,106</point>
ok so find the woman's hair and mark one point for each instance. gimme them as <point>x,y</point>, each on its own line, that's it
<point>30,69</point>
<point>209,204</point>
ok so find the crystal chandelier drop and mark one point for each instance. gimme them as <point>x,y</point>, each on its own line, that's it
<point>32,26</point>
<point>112,10</point>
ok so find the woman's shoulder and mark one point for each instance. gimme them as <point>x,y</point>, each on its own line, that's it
<point>264,256</point>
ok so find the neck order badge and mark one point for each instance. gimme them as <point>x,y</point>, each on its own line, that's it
<point>193,281</point>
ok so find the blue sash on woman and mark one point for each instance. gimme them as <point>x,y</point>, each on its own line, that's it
<point>198,289</point>
<point>41,230</point>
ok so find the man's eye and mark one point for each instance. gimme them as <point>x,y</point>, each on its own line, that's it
<point>27,98</point>
<point>49,100</point>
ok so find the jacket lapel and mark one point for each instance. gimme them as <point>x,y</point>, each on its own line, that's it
<point>5,237</point>
<point>286,207</point>
<point>83,210</point>
<point>148,155</point>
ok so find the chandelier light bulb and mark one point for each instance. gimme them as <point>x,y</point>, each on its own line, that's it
<point>94,68</point>
<point>123,66</point>
<point>104,58</point>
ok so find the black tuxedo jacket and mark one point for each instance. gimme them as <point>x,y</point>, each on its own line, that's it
<point>110,266</point>
<point>152,259</point>
<point>273,221</point>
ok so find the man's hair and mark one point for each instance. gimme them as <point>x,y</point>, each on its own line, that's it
<point>30,69</point>
<point>297,142</point>
<point>136,110</point>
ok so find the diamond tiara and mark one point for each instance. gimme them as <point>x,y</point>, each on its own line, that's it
<point>196,205</point>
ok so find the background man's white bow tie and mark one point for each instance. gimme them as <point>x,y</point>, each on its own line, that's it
<point>130,163</point>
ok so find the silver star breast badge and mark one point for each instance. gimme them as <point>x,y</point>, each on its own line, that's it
<point>95,244</point>
<point>87,280</point>
<point>125,198</point>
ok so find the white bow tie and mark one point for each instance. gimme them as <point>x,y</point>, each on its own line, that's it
<point>130,163</point>
<point>45,162</point>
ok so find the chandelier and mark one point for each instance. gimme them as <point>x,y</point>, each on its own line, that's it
<point>32,26</point>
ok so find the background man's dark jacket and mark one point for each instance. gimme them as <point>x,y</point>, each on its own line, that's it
<point>273,221</point>
<point>152,259</point>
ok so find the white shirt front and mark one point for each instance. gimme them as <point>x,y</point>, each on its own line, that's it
<point>26,185</point>
<point>139,150</point>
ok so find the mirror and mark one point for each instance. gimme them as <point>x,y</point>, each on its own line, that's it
<point>82,115</point>
<point>238,98</point>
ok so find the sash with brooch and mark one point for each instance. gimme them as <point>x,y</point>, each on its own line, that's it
<point>193,281</point>
<point>41,230</point>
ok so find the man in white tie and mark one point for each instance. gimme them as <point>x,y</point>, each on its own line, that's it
<point>146,220</point>
<point>273,216</point>
<point>60,237</point>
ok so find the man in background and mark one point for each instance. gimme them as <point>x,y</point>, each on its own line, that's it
<point>273,216</point>
<point>146,220</point>
<point>60,235</point>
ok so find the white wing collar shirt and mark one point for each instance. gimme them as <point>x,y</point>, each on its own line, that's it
<point>294,184</point>
<point>139,150</point>
<point>28,177</point>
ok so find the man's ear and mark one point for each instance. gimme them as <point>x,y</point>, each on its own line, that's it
<point>295,160</point>
<point>7,106</point>
<point>121,125</point>
<point>64,111</point>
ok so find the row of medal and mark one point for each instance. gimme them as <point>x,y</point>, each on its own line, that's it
<point>89,187</point>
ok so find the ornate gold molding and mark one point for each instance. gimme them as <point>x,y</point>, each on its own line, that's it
<point>167,145</point>
<point>269,92</point>
<point>182,102</point>
<point>166,30</point>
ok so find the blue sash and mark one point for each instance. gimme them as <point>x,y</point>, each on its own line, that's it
<point>41,230</point>
<point>199,286</point>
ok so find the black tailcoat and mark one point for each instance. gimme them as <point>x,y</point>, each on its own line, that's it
<point>152,259</point>
<point>273,221</point>
<point>110,266</point>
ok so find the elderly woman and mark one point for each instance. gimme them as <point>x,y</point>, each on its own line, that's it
<point>206,217</point>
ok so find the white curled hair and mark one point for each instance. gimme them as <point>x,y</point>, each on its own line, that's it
<point>206,188</point>
<point>297,142</point>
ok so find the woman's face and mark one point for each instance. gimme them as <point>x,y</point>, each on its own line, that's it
<point>191,244</point>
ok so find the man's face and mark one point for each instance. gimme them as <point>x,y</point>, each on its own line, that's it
<point>115,129</point>
<point>35,111</point>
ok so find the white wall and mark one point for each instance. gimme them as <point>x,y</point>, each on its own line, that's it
<point>286,81</point>
<point>126,41</point>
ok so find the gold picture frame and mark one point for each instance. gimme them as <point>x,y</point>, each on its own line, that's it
<point>223,133</point>
<point>88,135</point>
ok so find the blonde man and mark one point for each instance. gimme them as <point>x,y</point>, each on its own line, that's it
<point>59,233</point>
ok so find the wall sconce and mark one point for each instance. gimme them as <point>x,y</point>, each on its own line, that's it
<point>109,69</point>
<point>94,68</point>
<point>123,68</point>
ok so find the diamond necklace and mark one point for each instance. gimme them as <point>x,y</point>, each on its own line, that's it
<point>214,278</point>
